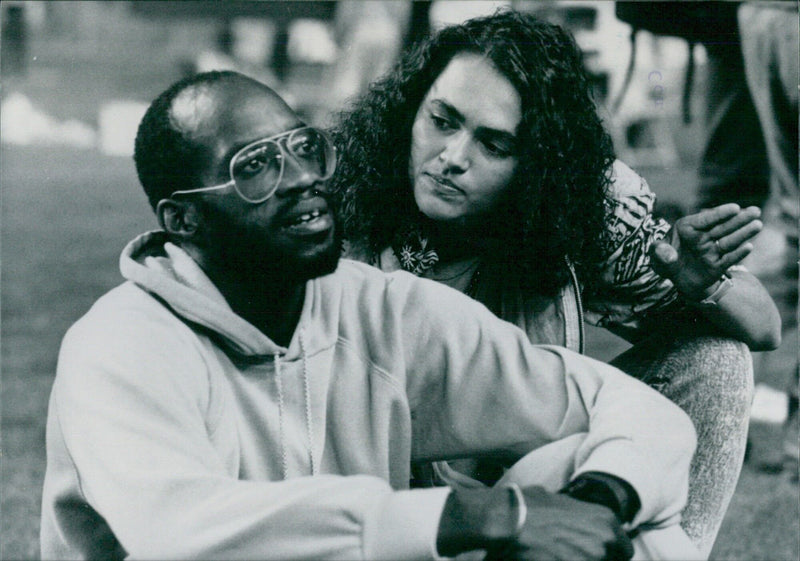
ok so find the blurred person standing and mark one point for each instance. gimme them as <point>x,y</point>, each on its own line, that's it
<point>771,49</point>
<point>733,164</point>
<point>370,36</point>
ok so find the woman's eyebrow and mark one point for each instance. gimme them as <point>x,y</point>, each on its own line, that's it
<point>496,134</point>
<point>484,131</point>
<point>451,111</point>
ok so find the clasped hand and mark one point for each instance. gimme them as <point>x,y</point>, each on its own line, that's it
<point>560,528</point>
<point>701,247</point>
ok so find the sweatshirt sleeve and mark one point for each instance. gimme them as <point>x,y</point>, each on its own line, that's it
<point>478,387</point>
<point>135,427</point>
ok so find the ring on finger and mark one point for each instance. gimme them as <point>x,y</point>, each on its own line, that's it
<point>719,247</point>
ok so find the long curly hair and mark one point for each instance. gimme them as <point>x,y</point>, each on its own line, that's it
<point>557,201</point>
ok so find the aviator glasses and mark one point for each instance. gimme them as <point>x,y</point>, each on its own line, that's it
<point>257,169</point>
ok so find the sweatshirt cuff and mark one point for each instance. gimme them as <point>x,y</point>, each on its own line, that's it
<point>657,502</point>
<point>406,525</point>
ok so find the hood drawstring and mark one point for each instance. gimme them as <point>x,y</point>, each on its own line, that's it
<point>307,391</point>
<point>284,462</point>
<point>309,415</point>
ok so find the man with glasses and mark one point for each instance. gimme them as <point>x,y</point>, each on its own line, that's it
<point>247,395</point>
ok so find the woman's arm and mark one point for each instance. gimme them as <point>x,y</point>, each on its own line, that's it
<point>699,256</point>
<point>652,271</point>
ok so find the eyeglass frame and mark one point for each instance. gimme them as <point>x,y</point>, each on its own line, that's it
<point>284,152</point>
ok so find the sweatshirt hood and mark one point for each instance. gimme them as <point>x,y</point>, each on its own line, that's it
<point>163,269</point>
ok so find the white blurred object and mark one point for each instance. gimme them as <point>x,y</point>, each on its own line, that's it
<point>769,405</point>
<point>252,40</point>
<point>769,248</point>
<point>118,121</point>
<point>450,12</point>
<point>311,41</point>
<point>22,123</point>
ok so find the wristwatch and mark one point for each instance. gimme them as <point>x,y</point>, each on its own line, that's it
<point>607,490</point>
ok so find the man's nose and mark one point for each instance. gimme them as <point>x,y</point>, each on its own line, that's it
<point>297,176</point>
<point>455,154</point>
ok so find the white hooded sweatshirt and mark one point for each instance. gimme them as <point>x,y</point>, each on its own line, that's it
<point>177,430</point>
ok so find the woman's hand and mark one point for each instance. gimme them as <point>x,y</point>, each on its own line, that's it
<point>695,254</point>
<point>701,247</point>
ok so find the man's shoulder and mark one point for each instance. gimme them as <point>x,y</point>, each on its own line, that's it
<point>359,276</point>
<point>374,291</point>
<point>125,309</point>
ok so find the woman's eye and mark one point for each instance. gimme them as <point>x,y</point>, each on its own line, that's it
<point>441,123</point>
<point>497,149</point>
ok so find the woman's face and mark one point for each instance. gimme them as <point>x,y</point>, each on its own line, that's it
<point>463,141</point>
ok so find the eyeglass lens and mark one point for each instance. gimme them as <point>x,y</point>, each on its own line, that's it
<point>257,169</point>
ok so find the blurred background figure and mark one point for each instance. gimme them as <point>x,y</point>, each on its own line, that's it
<point>769,39</point>
<point>750,153</point>
<point>242,44</point>
<point>733,166</point>
<point>370,35</point>
<point>14,39</point>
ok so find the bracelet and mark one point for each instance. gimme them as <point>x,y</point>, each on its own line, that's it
<point>522,507</point>
<point>725,284</point>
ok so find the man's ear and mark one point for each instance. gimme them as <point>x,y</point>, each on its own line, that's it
<point>178,218</point>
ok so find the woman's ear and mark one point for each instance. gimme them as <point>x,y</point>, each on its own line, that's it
<point>178,218</point>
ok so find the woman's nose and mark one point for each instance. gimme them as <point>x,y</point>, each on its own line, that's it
<point>455,153</point>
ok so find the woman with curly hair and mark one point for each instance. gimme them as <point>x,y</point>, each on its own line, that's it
<point>480,162</point>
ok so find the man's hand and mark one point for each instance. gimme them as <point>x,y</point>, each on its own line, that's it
<point>700,247</point>
<point>558,527</point>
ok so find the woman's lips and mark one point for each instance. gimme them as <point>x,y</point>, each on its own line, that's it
<point>444,185</point>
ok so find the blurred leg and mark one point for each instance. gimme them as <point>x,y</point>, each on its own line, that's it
<point>770,41</point>
<point>711,379</point>
<point>733,167</point>
<point>771,49</point>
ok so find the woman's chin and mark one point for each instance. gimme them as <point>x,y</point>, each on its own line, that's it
<point>439,210</point>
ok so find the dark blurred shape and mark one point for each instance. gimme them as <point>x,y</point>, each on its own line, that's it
<point>286,10</point>
<point>698,22</point>
<point>578,18</point>
<point>733,167</point>
<point>419,24</point>
<point>14,48</point>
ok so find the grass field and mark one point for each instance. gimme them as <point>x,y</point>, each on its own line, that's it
<point>65,216</point>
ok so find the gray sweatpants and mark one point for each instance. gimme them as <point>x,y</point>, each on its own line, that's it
<point>711,379</point>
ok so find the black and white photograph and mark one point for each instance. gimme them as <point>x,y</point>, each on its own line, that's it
<point>399,280</point>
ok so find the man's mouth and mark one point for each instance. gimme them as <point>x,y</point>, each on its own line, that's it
<point>307,217</point>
